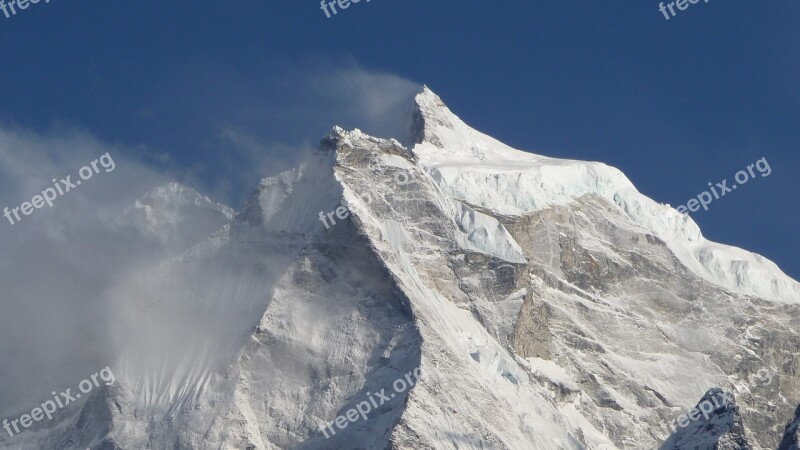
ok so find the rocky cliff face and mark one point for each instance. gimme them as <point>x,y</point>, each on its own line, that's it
<point>791,439</point>
<point>545,303</point>
<point>715,423</point>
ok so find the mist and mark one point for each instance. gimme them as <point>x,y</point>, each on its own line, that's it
<point>85,288</point>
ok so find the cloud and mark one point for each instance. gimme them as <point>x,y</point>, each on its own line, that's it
<point>76,278</point>
<point>377,103</point>
<point>250,126</point>
<point>57,262</point>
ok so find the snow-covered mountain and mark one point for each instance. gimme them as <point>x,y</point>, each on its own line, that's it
<point>176,215</point>
<point>545,303</point>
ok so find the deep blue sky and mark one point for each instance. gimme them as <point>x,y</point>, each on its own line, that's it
<point>674,104</point>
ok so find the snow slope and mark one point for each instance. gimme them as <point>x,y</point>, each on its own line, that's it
<point>478,169</point>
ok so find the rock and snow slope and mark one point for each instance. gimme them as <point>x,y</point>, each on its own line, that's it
<point>547,303</point>
<point>484,172</point>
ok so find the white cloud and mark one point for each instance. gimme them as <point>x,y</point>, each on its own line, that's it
<point>56,263</point>
<point>66,272</point>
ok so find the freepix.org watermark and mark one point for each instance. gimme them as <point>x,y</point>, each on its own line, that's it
<point>59,188</point>
<point>59,401</point>
<point>717,399</point>
<point>401,178</point>
<point>374,401</point>
<point>13,4</point>
<point>682,5</point>
<point>328,6</point>
<point>743,176</point>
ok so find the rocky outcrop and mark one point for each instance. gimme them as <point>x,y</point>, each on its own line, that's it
<point>791,438</point>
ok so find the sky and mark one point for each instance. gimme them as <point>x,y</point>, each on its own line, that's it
<point>218,94</point>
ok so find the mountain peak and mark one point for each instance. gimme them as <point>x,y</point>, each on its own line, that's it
<point>175,195</point>
<point>545,271</point>
<point>428,116</point>
<point>176,214</point>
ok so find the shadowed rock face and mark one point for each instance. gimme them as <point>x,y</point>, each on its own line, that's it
<point>791,438</point>
<point>713,424</point>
